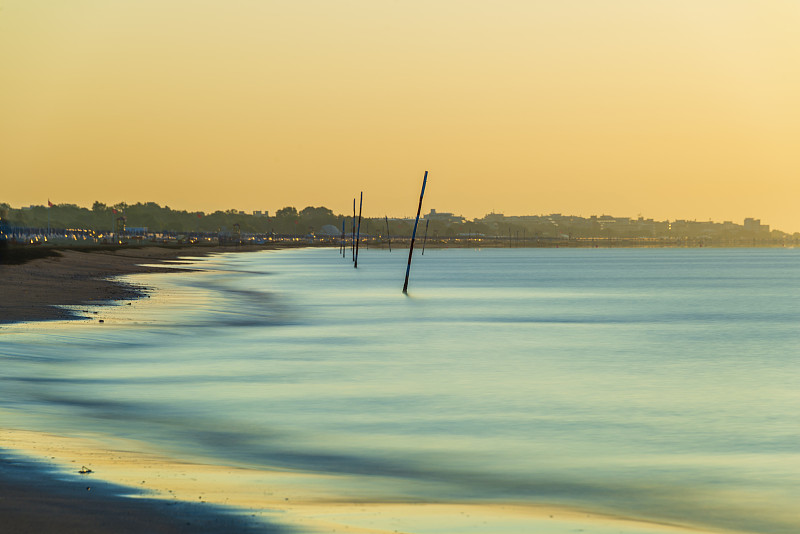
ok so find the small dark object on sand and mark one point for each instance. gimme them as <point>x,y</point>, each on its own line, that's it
<point>85,470</point>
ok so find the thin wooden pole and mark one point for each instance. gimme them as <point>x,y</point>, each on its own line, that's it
<point>358,232</point>
<point>388,235</point>
<point>425,240</point>
<point>414,234</point>
<point>353,239</point>
<point>342,249</point>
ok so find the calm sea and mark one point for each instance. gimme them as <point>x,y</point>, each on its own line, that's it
<point>654,383</point>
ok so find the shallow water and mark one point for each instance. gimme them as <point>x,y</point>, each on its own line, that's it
<point>650,383</point>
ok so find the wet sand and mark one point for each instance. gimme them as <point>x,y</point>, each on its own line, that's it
<point>32,291</point>
<point>36,498</point>
<point>270,501</point>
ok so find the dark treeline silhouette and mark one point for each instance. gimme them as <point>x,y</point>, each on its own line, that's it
<point>502,230</point>
<point>103,218</point>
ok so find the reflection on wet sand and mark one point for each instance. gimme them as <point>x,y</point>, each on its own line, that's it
<point>303,500</point>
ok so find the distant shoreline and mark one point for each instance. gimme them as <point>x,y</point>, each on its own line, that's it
<point>37,280</point>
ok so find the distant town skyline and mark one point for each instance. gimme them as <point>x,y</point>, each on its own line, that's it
<point>748,223</point>
<point>674,110</point>
<point>378,213</point>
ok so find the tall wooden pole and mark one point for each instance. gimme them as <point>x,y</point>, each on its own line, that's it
<point>388,235</point>
<point>414,234</point>
<point>342,247</point>
<point>425,239</point>
<point>358,232</point>
<point>353,239</point>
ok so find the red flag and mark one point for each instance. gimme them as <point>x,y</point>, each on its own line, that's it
<point>199,215</point>
<point>49,204</point>
<point>114,210</point>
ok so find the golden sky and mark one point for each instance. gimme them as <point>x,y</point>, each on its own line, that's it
<point>665,108</point>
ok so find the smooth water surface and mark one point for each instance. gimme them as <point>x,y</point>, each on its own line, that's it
<point>653,383</point>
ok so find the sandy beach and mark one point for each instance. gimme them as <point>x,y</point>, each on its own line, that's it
<point>182,497</point>
<point>32,291</point>
<point>38,499</point>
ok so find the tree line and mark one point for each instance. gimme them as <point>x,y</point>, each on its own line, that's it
<point>102,218</point>
<point>289,221</point>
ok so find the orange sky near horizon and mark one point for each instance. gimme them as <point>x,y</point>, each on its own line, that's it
<point>679,109</point>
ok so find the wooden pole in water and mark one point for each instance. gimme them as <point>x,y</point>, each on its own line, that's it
<point>425,240</point>
<point>353,239</point>
<point>344,219</point>
<point>358,232</point>
<point>414,234</point>
<point>388,235</point>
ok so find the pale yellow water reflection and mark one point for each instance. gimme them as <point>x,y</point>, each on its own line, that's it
<point>310,502</point>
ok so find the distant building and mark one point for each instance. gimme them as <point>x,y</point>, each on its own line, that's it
<point>259,213</point>
<point>330,230</point>
<point>494,217</point>
<point>444,216</point>
<point>754,225</point>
